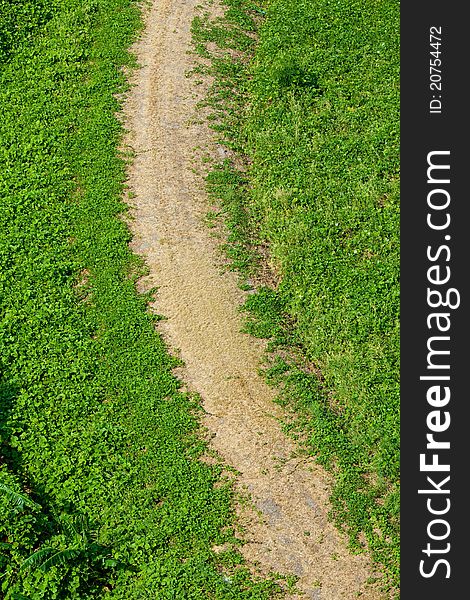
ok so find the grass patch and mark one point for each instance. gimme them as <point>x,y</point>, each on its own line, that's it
<point>101,490</point>
<point>310,105</point>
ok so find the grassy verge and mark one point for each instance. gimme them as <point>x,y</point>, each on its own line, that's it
<point>101,490</point>
<point>306,94</point>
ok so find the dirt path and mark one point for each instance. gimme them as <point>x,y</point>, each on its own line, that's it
<point>204,326</point>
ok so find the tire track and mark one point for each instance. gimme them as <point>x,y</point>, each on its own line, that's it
<point>203,324</point>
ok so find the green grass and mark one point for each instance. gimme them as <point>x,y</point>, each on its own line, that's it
<point>101,490</point>
<point>312,104</point>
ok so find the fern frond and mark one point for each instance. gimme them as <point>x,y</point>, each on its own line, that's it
<point>43,561</point>
<point>60,558</point>
<point>37,558</point>
<point>16,499</point>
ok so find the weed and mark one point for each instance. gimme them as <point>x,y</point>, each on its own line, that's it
<point>102,492</point>
<point>312,110</point>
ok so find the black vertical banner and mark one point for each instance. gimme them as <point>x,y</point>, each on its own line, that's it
<point>435,255</point>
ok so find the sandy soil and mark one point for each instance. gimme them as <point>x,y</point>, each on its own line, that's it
<point>289,532</point>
